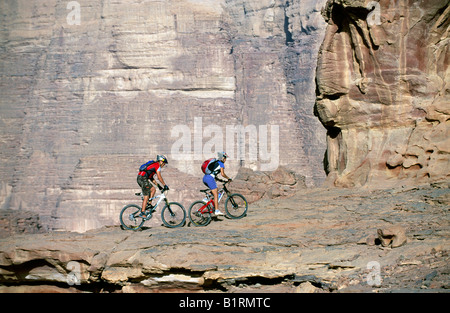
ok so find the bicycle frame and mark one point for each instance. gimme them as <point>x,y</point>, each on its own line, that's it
<point>160,198</point>
<point>221,193</point>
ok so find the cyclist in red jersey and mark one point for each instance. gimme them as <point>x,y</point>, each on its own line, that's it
<point>146,176</point>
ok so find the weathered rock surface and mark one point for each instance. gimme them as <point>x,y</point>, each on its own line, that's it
<point>313,241</point>
<point>19,222</point>
<point>255,185</point>
<point>85,102</point>
<point>383,92</point>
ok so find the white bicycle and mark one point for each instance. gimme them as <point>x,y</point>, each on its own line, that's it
<point>173,214</point>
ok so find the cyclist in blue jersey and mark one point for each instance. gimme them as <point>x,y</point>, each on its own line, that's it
<point>216,167</point>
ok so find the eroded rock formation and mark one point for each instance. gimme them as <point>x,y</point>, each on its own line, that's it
<point>316,238</point>
<point>383,92</point>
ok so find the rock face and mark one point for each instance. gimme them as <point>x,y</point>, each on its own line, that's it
<point>19,222</point>
<point>92,89</point>
<point>383,92</point>
<point>313,241</point>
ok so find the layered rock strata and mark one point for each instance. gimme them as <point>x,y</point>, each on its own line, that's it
<point>92,89</point>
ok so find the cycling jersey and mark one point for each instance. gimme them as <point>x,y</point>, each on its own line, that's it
<point>150,170</point>
<point>209,179</point>
<point>215,168</point>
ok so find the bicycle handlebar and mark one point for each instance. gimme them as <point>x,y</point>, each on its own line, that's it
<point>162,189</point>
<point>224,181</point>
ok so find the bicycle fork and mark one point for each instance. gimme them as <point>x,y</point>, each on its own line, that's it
<point>168,207</point>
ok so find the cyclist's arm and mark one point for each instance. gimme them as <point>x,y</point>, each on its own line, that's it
<point>158,173</point>
<point>155,182</point>
<point>222,172</point>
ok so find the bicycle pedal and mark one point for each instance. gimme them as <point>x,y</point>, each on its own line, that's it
<point>147,216</point>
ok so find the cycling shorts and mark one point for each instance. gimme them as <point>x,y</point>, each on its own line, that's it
<point>145,185</point>
<point>210,182</point>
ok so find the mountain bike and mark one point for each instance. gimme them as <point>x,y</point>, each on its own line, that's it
<point>173,214</point>
<point>200,211</point>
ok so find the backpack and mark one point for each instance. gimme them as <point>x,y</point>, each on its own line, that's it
<point>205,166</point>
<point>144,166</point>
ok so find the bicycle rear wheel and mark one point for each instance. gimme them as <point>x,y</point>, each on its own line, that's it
<point>196,216</point>
<point>173,215</point>
<point>129,217</point>
<point>236,206</point>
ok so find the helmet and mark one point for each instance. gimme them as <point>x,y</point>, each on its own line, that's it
<point>222,155</point>
<point>161,157</point>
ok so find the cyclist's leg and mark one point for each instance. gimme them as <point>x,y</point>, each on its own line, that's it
<point>216,197</point>
<point>144,203</point>
<point>209,181</point>
<point>152,192</point>
<point>146,190</point>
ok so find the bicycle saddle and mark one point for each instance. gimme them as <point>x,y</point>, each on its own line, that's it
<point>204,190</point>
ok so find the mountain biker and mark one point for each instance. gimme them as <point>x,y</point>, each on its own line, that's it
<point>146,176</point>
<point>209,180</point>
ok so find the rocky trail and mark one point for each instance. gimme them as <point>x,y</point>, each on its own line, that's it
<point>318,240</point>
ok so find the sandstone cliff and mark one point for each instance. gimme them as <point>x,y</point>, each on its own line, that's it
<point>92,89</point>
<point>383,92</point>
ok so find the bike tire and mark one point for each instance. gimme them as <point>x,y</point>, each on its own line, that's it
<point>129,217</point>
<point>236,206</point>
<point>173,215</point>
<point>197,218</point>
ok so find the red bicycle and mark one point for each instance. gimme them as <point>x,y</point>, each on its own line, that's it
<point>200,211</point>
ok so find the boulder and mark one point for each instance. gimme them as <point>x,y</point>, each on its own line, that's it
<point>256,185</point>
<point>394,236</point>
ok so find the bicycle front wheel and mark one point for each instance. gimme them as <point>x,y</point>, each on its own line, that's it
<point>173,215</point>
<point>196,216</point>
<point>236,206</point>
<point>130,217</point>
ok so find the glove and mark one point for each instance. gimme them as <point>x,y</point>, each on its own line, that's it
<point>166,187</point>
